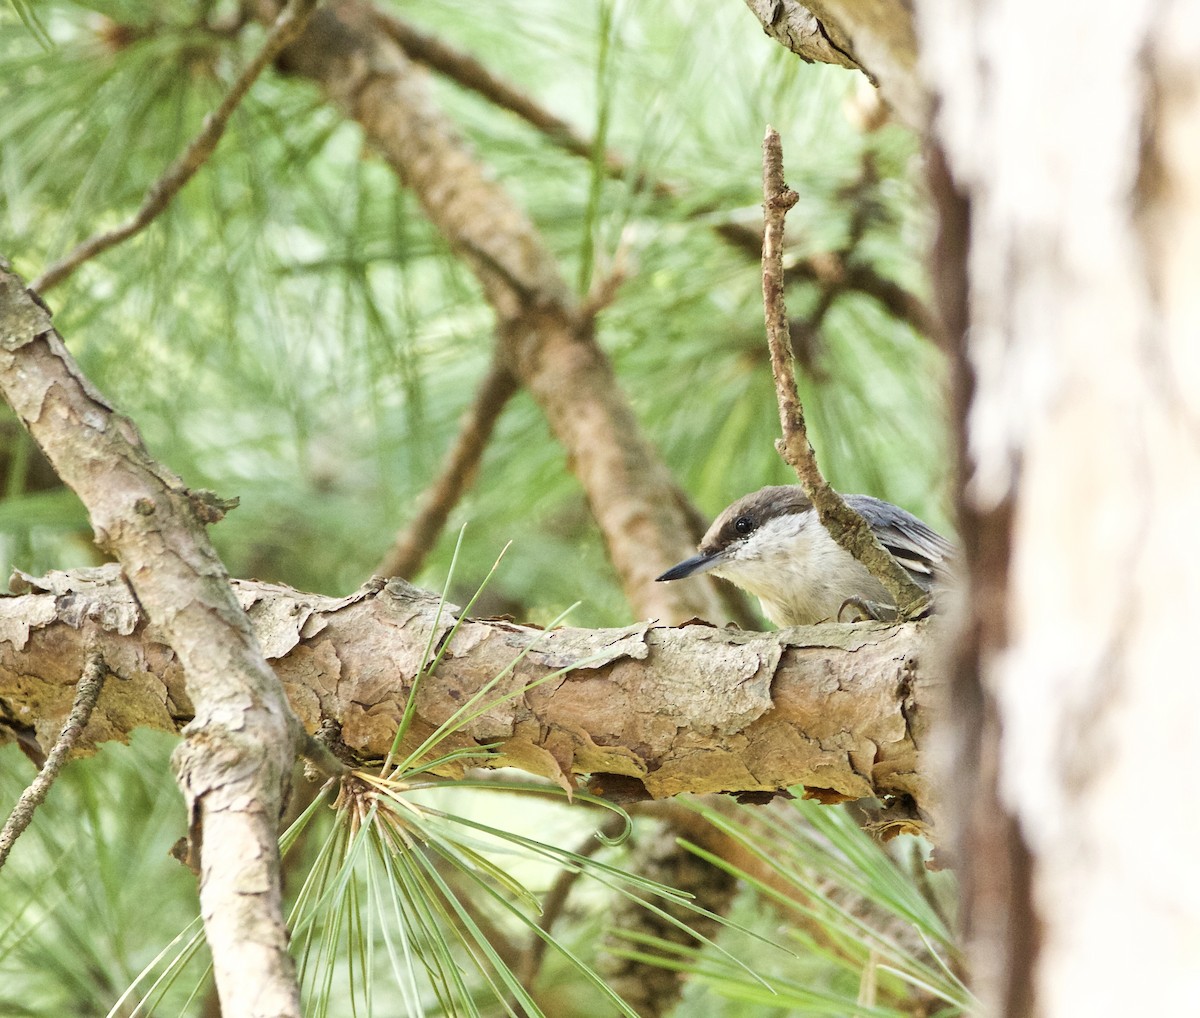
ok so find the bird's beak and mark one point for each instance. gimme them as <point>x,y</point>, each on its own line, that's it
<point>692,567</point>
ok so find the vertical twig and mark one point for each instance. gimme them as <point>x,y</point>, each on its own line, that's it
<point>86,695</point>
<point>844,525</point>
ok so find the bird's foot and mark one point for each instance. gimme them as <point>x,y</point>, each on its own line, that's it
<point>875,611</point>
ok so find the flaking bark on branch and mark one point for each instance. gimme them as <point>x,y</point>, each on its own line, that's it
<point>240,746</point>
<point>875,36</point>
<point>840,709</point>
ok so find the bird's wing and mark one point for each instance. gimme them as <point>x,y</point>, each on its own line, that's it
<point>916,546</point>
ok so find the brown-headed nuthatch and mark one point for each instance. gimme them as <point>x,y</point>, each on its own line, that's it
<point>772,544</point>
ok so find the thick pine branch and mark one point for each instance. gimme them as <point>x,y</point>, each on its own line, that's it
<point>651,711</point>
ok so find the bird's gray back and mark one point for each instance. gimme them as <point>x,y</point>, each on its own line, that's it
<point>921,550</point>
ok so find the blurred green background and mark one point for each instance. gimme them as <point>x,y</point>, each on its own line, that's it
<point>293,333</point>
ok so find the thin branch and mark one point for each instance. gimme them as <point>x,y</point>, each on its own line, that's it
<point>320,758</point>
<point>287,27</point>
<point>844,525</point>
<point>834,271</point>
<point>86,695</point>
<point>470,73</point>
<point>458,473</point>
<point>606,285</point>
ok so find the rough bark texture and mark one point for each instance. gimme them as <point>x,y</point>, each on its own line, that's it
<point>547,342</point>
<point>1071,229</point>
<point>240,746</point>
<point>656,710</point>
<point>874,36</point>
<point>796,28</point>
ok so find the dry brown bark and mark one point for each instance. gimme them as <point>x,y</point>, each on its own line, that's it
<point>240,747</point>
<point>652,709</point>
<point>545,338</point>
<point>874,36</point>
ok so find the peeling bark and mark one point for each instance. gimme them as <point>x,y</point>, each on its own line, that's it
<point>239,749</point>
<point>841,709</point>
<point>798,29</point>
<point>874,36</point>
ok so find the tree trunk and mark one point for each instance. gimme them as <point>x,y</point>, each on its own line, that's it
<point>1069,255</point>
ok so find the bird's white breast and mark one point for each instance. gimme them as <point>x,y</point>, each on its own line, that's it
<point>798,572</point>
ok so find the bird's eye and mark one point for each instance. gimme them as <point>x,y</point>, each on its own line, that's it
<point>744,524</point>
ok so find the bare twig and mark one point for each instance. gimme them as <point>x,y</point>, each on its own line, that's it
<point>86,695</point>
<point>458,472</point>
<point>287,27</point>
<point>844,525</point>
<point>605,286</point>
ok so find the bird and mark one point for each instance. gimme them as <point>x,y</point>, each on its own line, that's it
<point>771,544</point>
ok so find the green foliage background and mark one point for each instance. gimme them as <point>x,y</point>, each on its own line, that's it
<point>291,331</point>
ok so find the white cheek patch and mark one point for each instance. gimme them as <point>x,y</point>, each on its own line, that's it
<point>797,570</point>
<point>781,557</point>
<point>782,537</point>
